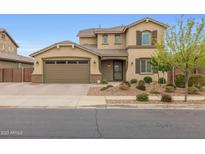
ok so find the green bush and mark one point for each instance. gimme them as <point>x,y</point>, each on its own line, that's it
<point>127,83</point>
<point>196,80</point>
<point>141,82</point>
<point>104,82</point>
<point>147,79</point>
<point>154,91</point>
<point>162,80</point>
<point>143,97</point>
<point>132,81</point>
<point>169,89</point>
<point>193,90</point>
<point>141,85</point>
<point>166,98</point>
<point>107,87</point>
<point>124,86</point>
<point>171,85</point>
<point>180,80</point>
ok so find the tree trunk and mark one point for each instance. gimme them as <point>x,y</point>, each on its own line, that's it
<point>163,78</point>
<point>173,75</point>
<point>186,82</point>
<point>158,76</point>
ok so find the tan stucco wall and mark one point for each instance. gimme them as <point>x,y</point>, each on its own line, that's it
<point>8,44</point>
<point>7,64</point>
<point>66,51</point>
<point>139,53</point>
<point>87,40</point>
<point>131,32</point>
<point>111,42</point>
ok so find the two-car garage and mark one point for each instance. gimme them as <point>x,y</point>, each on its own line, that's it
<point>66,62</point>
<point>66,71</point>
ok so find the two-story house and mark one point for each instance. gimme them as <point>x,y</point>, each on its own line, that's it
<point>113,54</point>
<point>8,53</point>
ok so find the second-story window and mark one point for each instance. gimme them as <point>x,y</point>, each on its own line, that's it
<point>146,38</point>
<point>3,36</point>
<point>105,39</point>
<point>117,39</point>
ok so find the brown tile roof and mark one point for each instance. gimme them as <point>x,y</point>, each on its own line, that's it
<point>118,29</point>
<point>4,30</point>
<point>107,52</point>
<point>16,58</point>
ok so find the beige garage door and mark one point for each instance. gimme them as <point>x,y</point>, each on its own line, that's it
<point>66,71</point>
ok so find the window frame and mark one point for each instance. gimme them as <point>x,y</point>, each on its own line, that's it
<point>146,68</point>
<point>120,39</point>
<point>150,38</point>
<point>3,36</point>
<point>105,43</point>
<point>50,62</point>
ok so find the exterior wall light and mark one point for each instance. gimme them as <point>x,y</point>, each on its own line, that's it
<point>94,62</point>
<point>37,63</point>
<point>132,63</point>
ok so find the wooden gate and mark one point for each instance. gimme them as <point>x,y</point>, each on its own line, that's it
<point>15,75</point>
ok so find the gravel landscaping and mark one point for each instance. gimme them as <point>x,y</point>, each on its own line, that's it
<point>133,91</point>
<point>132,102</point>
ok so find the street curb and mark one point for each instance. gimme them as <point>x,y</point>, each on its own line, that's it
<point>137,107</point>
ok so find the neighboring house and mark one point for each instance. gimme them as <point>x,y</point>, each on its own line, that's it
<point>113,54</point>
<point>8,53</point>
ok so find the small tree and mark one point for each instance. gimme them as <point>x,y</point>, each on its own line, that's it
<point>161,61</point>
<point>186,45</point>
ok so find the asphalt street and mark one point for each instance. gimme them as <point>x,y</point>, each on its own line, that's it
<point>101,123</point>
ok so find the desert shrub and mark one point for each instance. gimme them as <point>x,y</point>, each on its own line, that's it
<point>196,80</point>
<point>169,89</point>
<point>180,80</point>
<point>147,79</point>
<point>141,85</point>
<point>106,87</point>
<point>166,98</point>
<point>124,86</point>
<point>171,85</point>
<point>154,91</point>
<point>104,82</point>
<point>143,97</point>
<point>162,80</point>
<point>127,83</point>
<point>132,81</point>
<point>141,82</point>
<point>193,90</point>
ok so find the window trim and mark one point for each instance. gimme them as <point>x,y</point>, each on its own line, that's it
<point>146,73</point>
<point>120,39</point>
<point>50,62</point>
<point>3,36</point>
<point>104,43</point>
<point>150,38</point>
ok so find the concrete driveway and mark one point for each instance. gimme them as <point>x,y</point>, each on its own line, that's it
<point>43,89</point>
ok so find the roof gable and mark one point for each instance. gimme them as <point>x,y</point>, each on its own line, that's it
<point>3,30</point>
<point>147,19</point>
<point>69,43</point>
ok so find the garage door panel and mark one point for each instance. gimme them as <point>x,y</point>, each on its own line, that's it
<point>66,73</point>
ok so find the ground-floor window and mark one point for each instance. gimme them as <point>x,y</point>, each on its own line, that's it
<point>145,66</point>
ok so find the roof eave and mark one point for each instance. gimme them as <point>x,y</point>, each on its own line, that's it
<point>64,44</point>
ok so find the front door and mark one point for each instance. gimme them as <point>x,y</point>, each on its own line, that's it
<point>117,70</point>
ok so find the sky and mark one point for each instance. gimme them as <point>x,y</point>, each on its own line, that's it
<point>34,32</point>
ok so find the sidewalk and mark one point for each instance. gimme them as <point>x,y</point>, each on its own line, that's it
<point>90,101</point>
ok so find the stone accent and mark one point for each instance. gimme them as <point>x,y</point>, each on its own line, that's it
<point>95,77</point>
<point>37,78</point>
